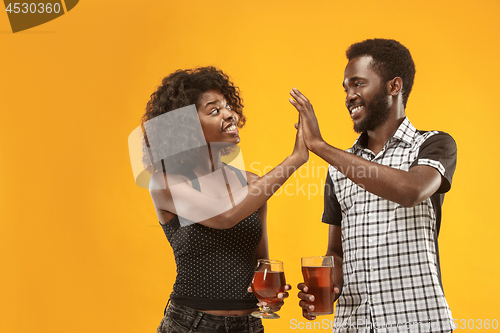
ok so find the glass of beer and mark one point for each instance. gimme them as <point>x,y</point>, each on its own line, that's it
<point>268,281</point>
<point>318,277</point>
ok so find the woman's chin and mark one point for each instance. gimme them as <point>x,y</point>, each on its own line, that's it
<point>226,144</point>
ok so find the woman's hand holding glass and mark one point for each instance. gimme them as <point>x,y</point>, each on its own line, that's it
<point>269,286</point>
<point>275,306</point>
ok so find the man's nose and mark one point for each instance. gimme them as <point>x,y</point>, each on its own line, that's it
<point>350,97</point>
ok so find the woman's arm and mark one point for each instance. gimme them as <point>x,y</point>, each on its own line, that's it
<point>171,193</point>
<point>263,249</point>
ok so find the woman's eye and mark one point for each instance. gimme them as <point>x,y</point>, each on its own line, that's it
<point>215,110</point>
<point>228,107</point>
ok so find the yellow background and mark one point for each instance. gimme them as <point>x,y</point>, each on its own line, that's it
<point>81,249</point>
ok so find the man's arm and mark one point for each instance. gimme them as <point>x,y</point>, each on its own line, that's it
<point>335,250</point>
<point>407,188</point>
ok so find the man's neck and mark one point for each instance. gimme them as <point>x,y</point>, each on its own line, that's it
<point>378,137</point>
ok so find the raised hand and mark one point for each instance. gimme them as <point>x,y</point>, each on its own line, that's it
<point>300,148</point>
<point>309,123</point>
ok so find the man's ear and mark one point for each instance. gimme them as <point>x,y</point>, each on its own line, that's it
<point>395,86</point>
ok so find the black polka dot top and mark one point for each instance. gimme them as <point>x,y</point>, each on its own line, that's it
<point>214,266</point>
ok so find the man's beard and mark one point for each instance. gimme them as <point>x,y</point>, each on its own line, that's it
<point>377,112</point>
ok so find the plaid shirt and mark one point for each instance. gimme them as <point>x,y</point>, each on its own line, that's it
<point>392,279</point>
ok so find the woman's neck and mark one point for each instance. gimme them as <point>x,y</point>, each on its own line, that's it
<point>210,160</point>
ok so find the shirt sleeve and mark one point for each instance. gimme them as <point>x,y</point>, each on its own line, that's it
<point>440,152</point>
<point>332,213</point>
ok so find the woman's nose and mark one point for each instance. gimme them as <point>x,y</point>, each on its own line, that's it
<point>229,114</point>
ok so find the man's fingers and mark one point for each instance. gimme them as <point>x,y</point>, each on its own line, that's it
<point>307,316</point>
<point>299,97</point>
<point>297,105</point>
<point>305,309</point>
<point>302,286</point>
<point>306,297</point>
<point>303,293</point>
<point>305,306</point>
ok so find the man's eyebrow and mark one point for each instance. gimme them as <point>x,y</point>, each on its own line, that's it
<point>351,79</point>
<point>354,78</point>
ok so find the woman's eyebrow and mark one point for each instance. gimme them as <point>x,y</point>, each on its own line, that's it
<point>212,102</point>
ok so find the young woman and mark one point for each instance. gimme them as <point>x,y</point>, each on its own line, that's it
<point>214,215</point>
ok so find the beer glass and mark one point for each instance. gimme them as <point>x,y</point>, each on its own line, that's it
<point>268,281</point>
<point>318,277</point>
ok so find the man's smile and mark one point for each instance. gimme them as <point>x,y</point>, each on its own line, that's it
<point>354,111</point>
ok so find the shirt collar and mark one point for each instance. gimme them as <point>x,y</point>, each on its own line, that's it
<point>405,133</point>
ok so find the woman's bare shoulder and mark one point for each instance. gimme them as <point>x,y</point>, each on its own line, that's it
<point>160,180</point>
<point>251,177</point>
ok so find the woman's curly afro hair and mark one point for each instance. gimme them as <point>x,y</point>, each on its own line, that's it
<point>180,89</point>
<point>184,87</point>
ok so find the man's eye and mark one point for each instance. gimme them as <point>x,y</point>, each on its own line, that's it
<point>357,84</point>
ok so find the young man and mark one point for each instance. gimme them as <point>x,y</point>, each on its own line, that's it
<point>383,200</point>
